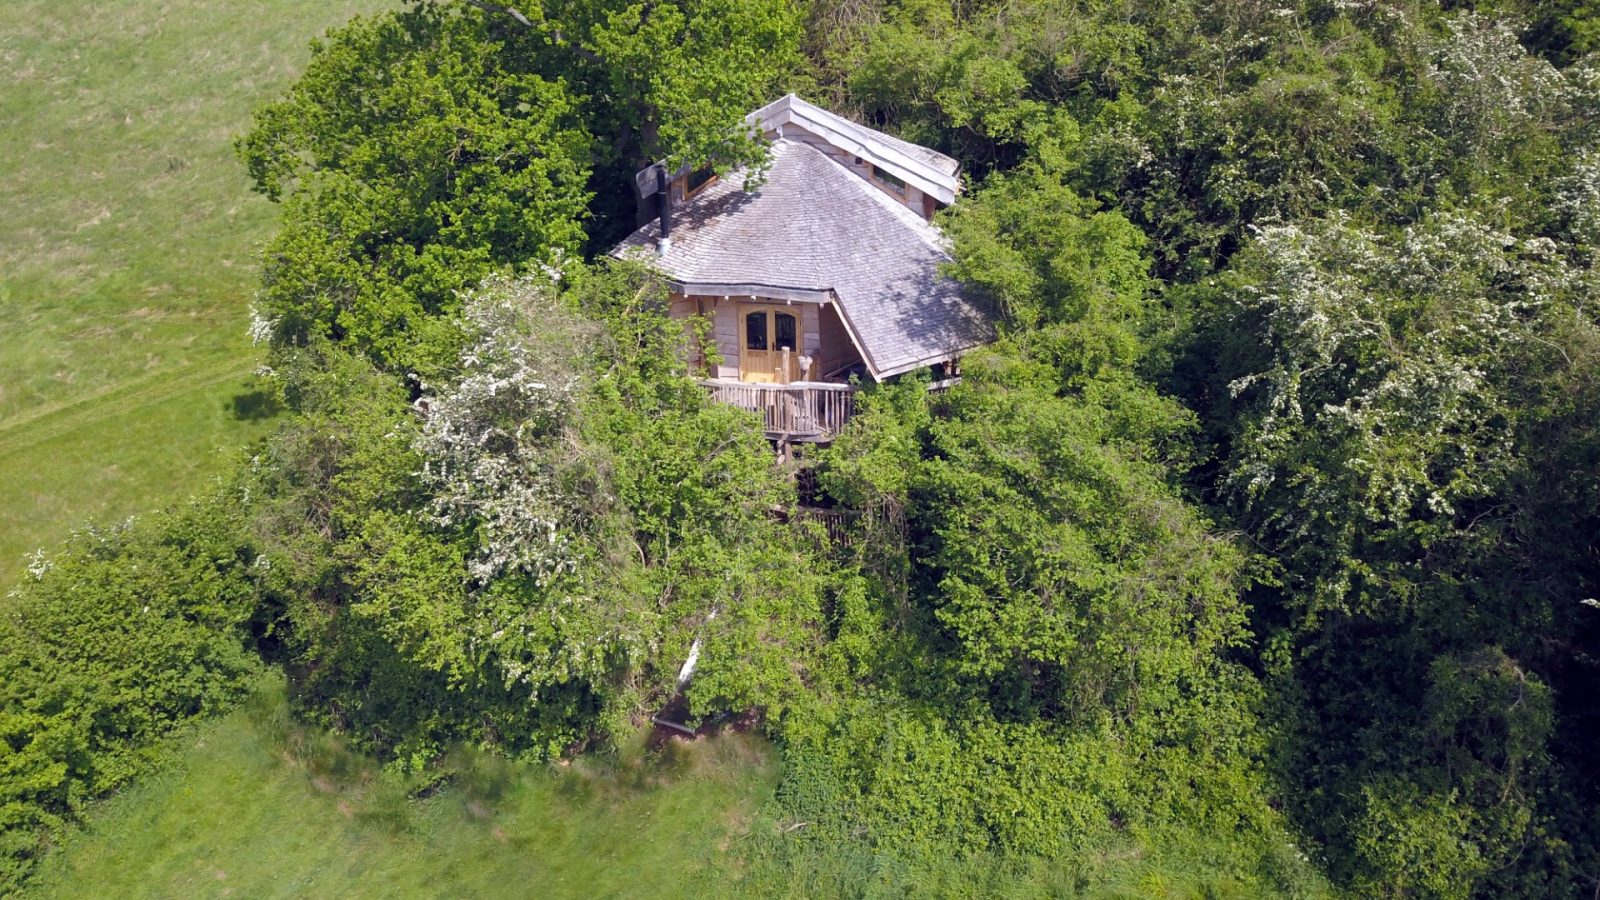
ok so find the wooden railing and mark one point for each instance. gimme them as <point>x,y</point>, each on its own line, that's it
<point>835,522</point>
<point>801,411</point>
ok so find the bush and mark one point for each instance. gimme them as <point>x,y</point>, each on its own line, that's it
<point>126,635</point>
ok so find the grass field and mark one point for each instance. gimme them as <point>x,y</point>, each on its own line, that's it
<point>126,247</point>
<point>256,808</point>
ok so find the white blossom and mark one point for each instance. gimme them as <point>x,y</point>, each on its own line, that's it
<point>39,564</point>
<point>261,328</point>
<point>492,439</point>
<point>1491,85</point>
<point>1381,355</point>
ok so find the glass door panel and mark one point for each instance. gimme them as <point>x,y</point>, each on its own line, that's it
<point>771,348</point>
<point>755,331</point>
<point>783,332</point>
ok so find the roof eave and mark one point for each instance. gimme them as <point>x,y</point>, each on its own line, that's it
<point>752,289</point>
<point>923,362</point>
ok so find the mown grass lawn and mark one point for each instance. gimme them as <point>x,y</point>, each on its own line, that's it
<point>127,245</point>
<point>254,807</point>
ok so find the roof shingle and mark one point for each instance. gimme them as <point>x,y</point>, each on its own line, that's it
<point>813,226</point>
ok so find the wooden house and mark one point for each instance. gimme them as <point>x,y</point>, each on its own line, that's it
<point>821,276</point>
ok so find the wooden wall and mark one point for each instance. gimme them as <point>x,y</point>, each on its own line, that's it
<point>837,348</point>
<point>822,335</point>
<point>724,328</point>
<point>810,330</point>
<point>725,322</point>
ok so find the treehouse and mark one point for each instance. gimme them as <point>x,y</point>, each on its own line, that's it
<point>821,276</point>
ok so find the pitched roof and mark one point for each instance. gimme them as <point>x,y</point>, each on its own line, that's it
<point>815,230</point>
<point>930,171</point>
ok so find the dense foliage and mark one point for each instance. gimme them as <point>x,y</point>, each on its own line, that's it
<point>110,644</point>
<point>1267,530</point>
<point>414,159</point>
<point>422,150</point>
<point>507,560</point>
<point>1375,284</point>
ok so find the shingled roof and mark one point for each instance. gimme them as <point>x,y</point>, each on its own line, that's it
<point>816,231</point>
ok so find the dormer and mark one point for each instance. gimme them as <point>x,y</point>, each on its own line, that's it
<point>922,180</point>
<point>684,184</point>
<point>918,178</point>
<point>687,183</point>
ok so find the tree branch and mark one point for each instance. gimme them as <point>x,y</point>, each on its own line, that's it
<point>582,51</point>
<point>502,10</point>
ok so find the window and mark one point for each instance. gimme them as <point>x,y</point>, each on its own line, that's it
<point>755,331</point>
<point>698,179</point>
<point>783,326</point>
<point>888,180</point>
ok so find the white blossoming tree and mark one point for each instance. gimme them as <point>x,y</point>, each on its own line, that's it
<point>504,465</point>
<point>1369,383</point>
<point>498,440</point>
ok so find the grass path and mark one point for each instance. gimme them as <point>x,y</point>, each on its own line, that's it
<point>114,400</point>
<point>110,458</point>
<point>127,247</point>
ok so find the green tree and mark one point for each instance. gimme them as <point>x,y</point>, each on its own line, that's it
<point>1372,397</point>
<point>665,81</point>
<point>413,157</point>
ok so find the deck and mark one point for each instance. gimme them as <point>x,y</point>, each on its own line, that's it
<point>808,411</point>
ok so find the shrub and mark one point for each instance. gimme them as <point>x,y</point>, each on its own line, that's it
<point>126,635</point>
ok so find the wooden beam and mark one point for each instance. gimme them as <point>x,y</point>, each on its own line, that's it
<point>668,723</point>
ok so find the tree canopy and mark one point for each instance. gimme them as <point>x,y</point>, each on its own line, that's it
<point>1266,530</point>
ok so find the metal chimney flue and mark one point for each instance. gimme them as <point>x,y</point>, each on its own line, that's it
<point>664,242</point>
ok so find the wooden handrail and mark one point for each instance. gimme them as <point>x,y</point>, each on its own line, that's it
<point>801,410</point>
<point>767,386</point>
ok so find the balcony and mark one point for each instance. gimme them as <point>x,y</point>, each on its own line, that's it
<point>802,411</point>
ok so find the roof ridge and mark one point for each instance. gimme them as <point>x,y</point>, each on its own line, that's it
<point>929,170</point>
<point>822,111</point>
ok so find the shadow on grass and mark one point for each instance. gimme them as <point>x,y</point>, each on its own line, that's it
<point>254,406</point>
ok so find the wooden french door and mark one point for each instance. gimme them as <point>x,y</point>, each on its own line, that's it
<point>769,351</point>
